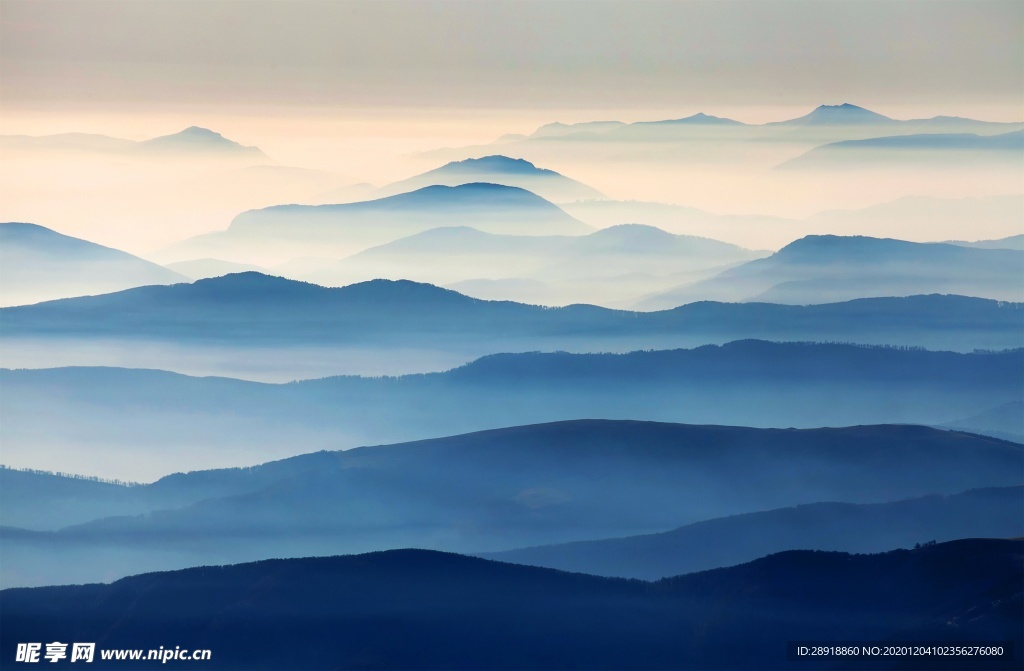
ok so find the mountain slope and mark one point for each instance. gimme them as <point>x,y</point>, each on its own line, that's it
<point>283,232</point>
<point>571,263</point>
<point>827,268</point>
<point>931,148</point>
<point>847,527</point>
<point>456,612</point>
<point>838,115</point>
<point>39,264</point>
<point>197,139</point>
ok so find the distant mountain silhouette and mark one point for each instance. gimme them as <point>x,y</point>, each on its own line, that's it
<point>1011,242</point>
<point>567,265</point>
<point>247,309</point>
<point>917,218</point>
<point>838,115</point>
<point>498,169</point>
<point>828,268</point>
<point>201,269</point>
<point>1005,421</point>
<point>74,142</point>
<point>953,148</point>
<point>196,139</point>
<point>290,231</point>
<point>192,140</point>
<point>39,264</point>
<point>493,490</point>
<point>455,612</point>
<point>848,527</point>
<point>697,119</point>
<point>559,129</point>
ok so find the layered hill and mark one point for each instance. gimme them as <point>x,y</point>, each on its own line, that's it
<point>503,489</point>
<point>189,422</point>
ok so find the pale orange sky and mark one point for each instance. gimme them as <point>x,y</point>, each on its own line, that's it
<point>357,88</point>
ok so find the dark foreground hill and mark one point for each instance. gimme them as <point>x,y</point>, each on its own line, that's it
<point>413,609</point>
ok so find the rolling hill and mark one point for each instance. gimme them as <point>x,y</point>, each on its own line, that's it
<point>510,488</point>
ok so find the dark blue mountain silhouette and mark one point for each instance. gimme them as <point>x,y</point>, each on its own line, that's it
<point>426,610</point>
<point>849,527</point>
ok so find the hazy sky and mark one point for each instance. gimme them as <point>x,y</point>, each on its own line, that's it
<point>948,57</point>
<point>358,89</point>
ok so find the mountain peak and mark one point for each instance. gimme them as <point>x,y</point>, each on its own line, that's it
<point>495,163</point>
<point>198,138</point>
<point>838,115</point>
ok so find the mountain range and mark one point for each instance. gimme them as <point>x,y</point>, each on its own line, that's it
<point>456,612</point>
<point>824,269</point>
<point>247,309</point>
<point>509,488</point>
<point>824,124</point>
<point>75,417</point>
<point>929,149</point>
<point>194,140</point>
<point>607,267</point>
